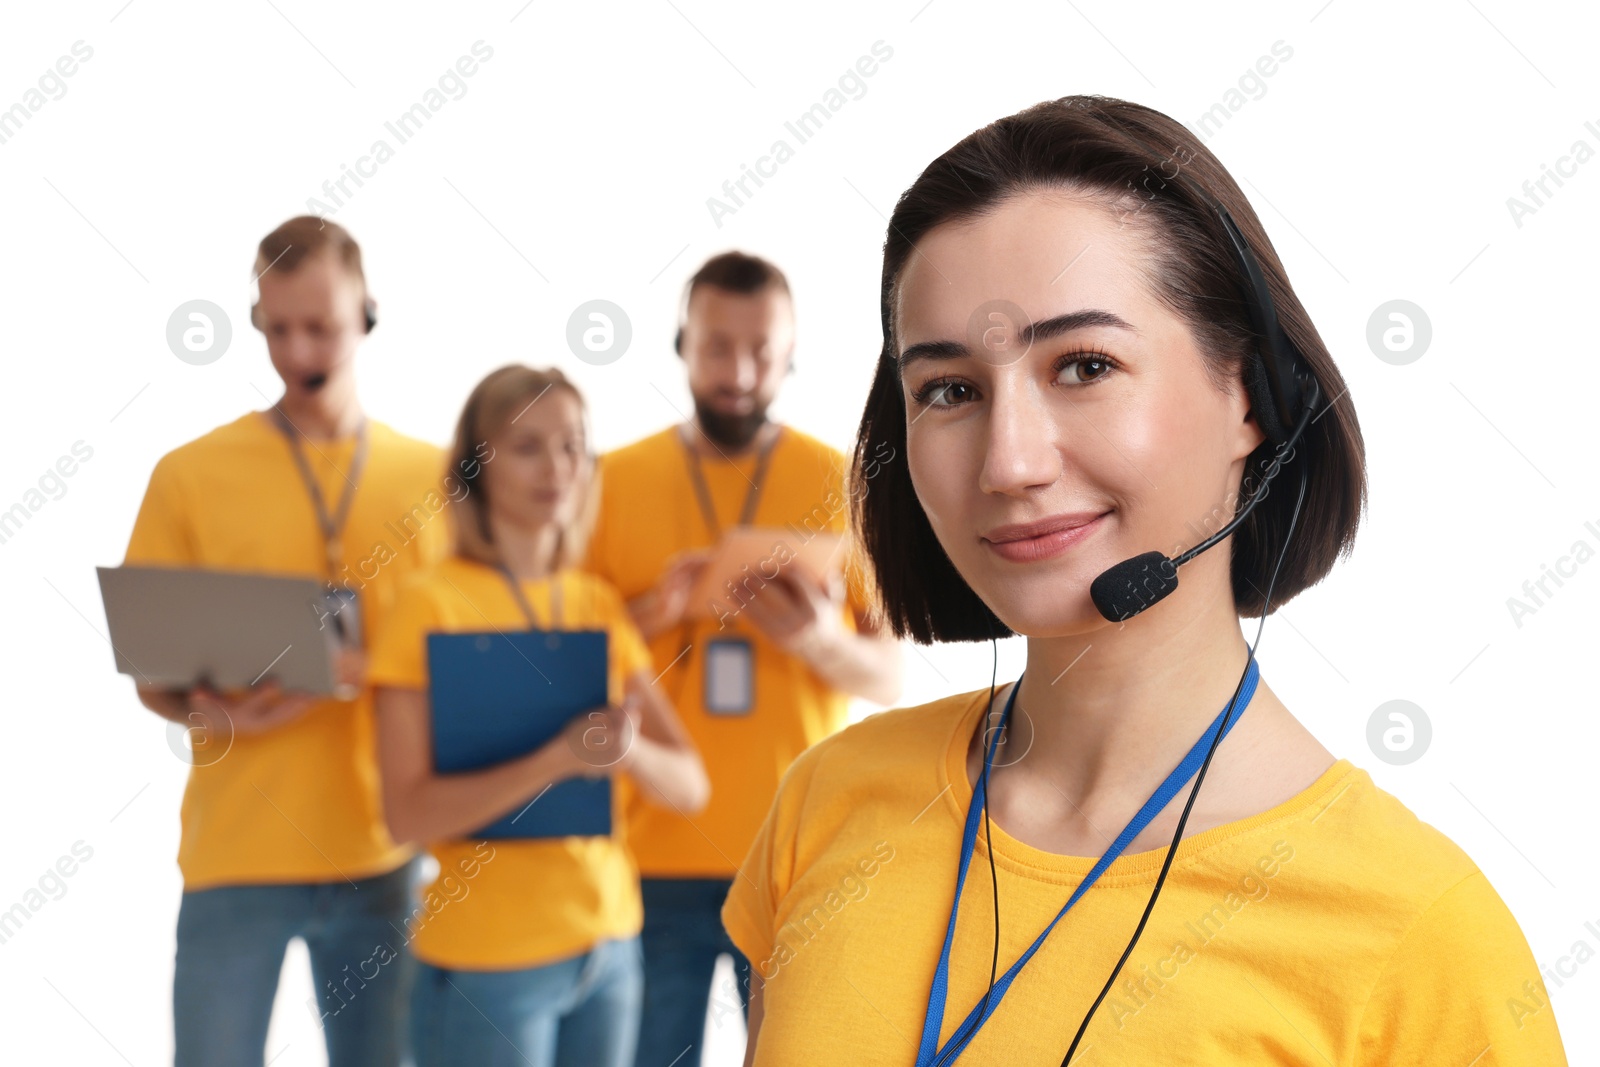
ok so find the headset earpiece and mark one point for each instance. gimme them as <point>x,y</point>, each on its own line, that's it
<point>1277,378</point>
<point>1263,405</point>
<point>677,341</point>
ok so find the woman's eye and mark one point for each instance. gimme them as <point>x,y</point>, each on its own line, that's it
<point>1085,369</point>
<point>952,392</point>
<point>940,394</point>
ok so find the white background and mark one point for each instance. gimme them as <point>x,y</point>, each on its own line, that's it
<point>577,166</point>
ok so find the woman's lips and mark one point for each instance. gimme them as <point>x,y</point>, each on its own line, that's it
<point>1045,546</point>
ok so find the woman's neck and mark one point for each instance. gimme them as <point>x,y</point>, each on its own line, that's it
<point>529,552</point>
<point>1111,713</point>
<point>1101,720</point>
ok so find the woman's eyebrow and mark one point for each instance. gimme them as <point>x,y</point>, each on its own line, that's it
<point>1030,334</point>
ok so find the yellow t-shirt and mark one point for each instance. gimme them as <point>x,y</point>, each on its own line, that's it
<point>649,512</point>
<point>298,803</point>
<point>507,903</point>
<point>1335,928</point>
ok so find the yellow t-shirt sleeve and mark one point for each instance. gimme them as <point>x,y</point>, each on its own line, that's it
<point>433,541</point>
<point>397,655</point>
<point>629,653</point>
<point>632,653</point>
<point>595,558</point>
<point>1461,987</point>
<point>161,532</point>
<point>749,913</point>
<point>430,546</point>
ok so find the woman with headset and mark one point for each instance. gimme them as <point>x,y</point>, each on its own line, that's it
<point>1095,374</point>
<point>528,947</point>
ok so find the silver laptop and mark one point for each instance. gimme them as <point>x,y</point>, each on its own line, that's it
<point>176,626</point>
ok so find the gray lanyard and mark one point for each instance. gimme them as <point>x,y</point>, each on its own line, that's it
<point>746,513</point>
<point>522,601</point>
<point>751,496</point>
<point>331,525</point>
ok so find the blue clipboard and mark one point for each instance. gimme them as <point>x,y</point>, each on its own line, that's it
<point>497,696</point>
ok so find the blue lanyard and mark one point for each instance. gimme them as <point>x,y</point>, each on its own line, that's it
<point>928,1053</point>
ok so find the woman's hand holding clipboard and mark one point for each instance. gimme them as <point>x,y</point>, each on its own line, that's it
<point>600,742</point>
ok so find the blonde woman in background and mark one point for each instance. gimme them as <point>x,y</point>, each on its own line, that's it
<point>528,948</point>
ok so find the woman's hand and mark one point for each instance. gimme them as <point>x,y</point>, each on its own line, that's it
<point>422,805</point>
<point>597,743</point>
<point>659,756</point>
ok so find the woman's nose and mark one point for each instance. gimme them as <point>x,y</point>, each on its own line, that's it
<point>1023,439</point>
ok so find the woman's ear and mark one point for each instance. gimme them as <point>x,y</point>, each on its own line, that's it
<point>1250,435</point>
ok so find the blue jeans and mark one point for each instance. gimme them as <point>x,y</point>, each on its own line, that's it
<point>683,936</point>
<point>231,941</point>
<point>577,1012</point>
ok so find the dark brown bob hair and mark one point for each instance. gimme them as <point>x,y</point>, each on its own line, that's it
<point>1121,154</point>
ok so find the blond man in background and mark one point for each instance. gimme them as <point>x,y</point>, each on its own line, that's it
<point>282,832</point>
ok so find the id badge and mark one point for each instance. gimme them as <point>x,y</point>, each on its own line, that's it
<point>730,676</point>
<point>343,612</point>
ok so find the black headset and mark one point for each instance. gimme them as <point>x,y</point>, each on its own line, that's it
<point>369,314</point>
<point>1280,382</point>
<point>1283,392</point>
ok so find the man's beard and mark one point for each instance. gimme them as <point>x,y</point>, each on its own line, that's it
<point>729,431</point>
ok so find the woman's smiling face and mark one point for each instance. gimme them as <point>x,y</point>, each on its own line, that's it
<point>1044,380</point>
